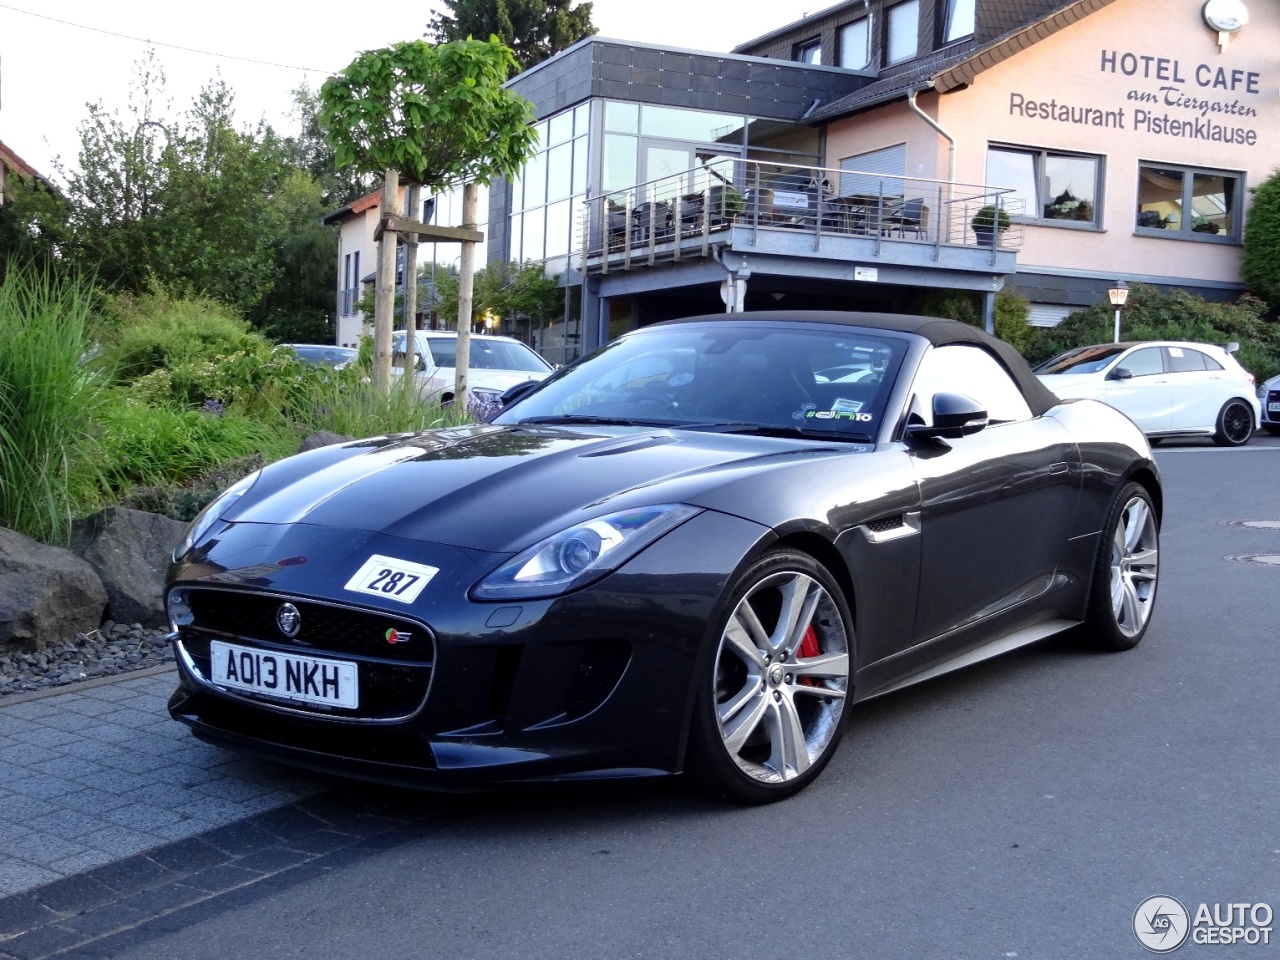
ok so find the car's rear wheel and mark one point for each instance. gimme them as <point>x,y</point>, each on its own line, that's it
<point>1126,572</point>
<point>772,696</point>
<point>1235,424</point>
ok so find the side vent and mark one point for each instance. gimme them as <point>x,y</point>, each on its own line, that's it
<point>892,528</point>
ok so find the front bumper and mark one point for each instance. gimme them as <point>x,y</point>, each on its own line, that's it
<point>594,684</point>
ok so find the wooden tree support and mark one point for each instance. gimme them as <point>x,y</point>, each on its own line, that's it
<point>427,232</point>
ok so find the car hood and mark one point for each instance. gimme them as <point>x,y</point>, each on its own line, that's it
<point>499,488</point>
<point>1073,384</point>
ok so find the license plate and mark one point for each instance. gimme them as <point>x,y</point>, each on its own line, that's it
<point>1274,407</point>
<point>287,676</point>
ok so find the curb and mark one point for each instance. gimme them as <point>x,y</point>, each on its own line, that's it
<point>155,671</point>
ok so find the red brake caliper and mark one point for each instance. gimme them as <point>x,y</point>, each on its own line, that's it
<point>809,648</point>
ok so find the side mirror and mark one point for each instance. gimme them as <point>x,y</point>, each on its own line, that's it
<point>512,394</point>
<point>1230,347</point>
<point>954,416</point>
<point>1121,373</point>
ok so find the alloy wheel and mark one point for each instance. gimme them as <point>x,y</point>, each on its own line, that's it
<point>1237,422</point>
<point>781,677</point>
<point>1135,565</point>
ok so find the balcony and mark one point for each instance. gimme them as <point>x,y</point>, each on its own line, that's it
<point>804,222</point>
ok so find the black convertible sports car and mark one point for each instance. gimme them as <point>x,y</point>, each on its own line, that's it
<point>691,551</point>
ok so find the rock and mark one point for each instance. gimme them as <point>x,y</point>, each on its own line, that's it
<point>130,550</point>
<point>322,438</point>
<point>46,593</point>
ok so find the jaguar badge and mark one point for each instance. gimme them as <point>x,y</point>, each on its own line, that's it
<point>289,620</point>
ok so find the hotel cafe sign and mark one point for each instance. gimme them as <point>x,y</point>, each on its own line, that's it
<point>1166,96</point>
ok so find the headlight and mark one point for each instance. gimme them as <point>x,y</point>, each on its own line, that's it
<point>483,395</point>
<point>210,514</point>
<point>577,556</point>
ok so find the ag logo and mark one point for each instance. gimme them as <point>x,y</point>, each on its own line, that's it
<point>288,619</point>
<point>1161,924</point>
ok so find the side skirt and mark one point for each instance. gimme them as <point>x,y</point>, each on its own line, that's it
<point>993,648</point>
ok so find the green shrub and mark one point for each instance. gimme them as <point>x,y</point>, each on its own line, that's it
<point>51,386</point>
<point>987,217</point>
<point>145,445</point>
<point>155,330</point>
<point>344,402</point>
<point>1261,265</point>
<point>1152,315</point>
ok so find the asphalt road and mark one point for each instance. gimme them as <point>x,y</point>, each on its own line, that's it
<point>1021,808</point>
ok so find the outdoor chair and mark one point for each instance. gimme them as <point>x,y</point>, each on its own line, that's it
<point>910,215</point>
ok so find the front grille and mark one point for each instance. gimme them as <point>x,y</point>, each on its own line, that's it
<point>324,627</point>
<point>393,678</point>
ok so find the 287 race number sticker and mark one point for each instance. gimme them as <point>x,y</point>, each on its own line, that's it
<point>393,579</point>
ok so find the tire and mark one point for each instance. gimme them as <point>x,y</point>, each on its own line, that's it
<point>1235,424</point>
<point>1125,574</point>
<point>771,698</point>
<point>1272,428</point>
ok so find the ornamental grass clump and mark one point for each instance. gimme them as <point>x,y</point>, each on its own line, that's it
<point>52,385</point>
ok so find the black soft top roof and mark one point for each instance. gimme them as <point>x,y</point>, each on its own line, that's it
<point>936,330</point>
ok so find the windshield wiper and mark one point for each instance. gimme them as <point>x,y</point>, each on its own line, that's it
<point>777,430</point>
<point>595,421</point>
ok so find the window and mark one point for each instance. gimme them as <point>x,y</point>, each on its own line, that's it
<point>1188,204</point>
<point>855,44</point>
<point>959,17</point>
<point>1186,360</point>
<point>876,173</point>
<point>809,52</point>
<point>970,372</point>
<point>902,35</point>
<point>1146,362</point>
<point>1056,188</point>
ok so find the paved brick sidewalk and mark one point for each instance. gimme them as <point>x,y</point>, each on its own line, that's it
<point>94,775</point>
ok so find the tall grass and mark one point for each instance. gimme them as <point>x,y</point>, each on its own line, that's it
<point>49,395</point>
<point>342,401</point>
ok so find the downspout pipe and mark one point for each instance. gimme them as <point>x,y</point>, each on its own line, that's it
<point>951,147</point>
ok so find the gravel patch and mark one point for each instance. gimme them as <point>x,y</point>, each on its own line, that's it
<point>112,649</point>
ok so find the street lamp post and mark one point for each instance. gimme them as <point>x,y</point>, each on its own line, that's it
<point>1118,295</point>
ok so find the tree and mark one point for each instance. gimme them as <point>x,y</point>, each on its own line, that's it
<point>524,294</point>
<point>432,116</point>
<point>1261,266</point>
<point>311,151</point>
<point>534,29</point>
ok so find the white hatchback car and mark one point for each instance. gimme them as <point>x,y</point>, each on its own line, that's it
<point>496,365</point>
<point>1169,389</point>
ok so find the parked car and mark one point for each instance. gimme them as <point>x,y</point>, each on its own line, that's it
<point>496,365</point>
<point>1269,401</point>
<point>695,567</point>
<point>1168,388</point>
<point>321,354</point>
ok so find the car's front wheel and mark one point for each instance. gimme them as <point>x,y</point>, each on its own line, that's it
<point>1235,424</point>
<point>772,696</point>
<point>1125,573</point>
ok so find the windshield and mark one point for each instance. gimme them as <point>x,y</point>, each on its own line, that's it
<point>1083,359</point>
<point>485,354</point>
<point>323,354</point>
<point>727,375</point>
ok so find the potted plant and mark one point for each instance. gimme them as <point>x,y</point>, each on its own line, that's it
<point>987,221</point>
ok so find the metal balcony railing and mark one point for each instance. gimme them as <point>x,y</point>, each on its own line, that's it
<point>677,215</point>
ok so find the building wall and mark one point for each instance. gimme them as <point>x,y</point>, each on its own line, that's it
<point>1069,69</point>
<point>356,233</point>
